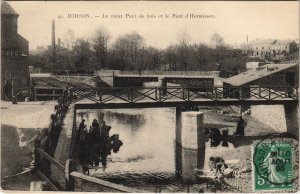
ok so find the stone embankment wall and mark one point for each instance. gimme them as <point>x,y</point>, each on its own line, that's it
<point>282,118</point>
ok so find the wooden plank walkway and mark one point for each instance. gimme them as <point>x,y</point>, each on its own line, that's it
<point>63,147</point>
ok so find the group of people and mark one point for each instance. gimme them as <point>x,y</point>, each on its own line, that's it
<point>217,164</point>
<point>95,144</point>
<point>55,125</point>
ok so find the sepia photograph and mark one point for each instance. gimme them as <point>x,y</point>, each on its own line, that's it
<point>150,96</point>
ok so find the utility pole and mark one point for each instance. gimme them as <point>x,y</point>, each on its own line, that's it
<point>247,45</point>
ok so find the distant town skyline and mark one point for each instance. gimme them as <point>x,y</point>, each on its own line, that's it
<point>234,21</point>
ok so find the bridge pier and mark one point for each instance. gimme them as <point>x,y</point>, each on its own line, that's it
<point>162,84</point>
<point>190,143</point>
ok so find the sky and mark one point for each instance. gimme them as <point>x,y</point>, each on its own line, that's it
<point>233,20</point>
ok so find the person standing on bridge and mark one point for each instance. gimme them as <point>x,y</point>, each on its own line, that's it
<point>95,147</point>
<point>51,135</point>
<point>83,154</point>
<point>66,95</point>
<point>105,144</point>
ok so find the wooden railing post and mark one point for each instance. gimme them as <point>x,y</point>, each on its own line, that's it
<point>216,93</point>
<point>128,94</point>
<point>34,94</point>
<point>156,93</point>
<point>241,93</point>
<point>259,91</point>
<point>37,156</point>
<point>269,93</point>
<point>100,96</point>
<point>131,95</point>
<point>159,94</point>
<point>70,181</point>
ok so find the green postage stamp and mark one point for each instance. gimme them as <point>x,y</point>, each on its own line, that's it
<point>272,166</point>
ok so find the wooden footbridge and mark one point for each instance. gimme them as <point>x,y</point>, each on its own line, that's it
<point>177,96</point>
<point>63,162</point>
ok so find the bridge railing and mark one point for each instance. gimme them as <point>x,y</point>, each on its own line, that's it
<point>164,73</point>
<point>183,94</point>
<point>69,169</point>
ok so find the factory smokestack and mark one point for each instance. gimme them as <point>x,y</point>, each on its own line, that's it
<point>53,45</point>
<point>53,33</point>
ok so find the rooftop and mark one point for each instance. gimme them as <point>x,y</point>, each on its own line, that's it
<point>6,9</point>
<point>269,41</point>
<point>254,74</point>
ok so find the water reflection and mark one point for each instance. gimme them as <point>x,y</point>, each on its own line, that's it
<point>149,155</point>
<point>147,135</point>
<point>187,161</point>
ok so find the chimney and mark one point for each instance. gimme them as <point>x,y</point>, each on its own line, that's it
<point>53,45</point>
<point>53,33</point>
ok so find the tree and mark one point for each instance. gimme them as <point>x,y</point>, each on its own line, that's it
<point>69,39</point>
<point>184,40</point>
<point>130,51</point>
<point>216,41</point>
<point>82,53</point>
<point>99,43</point>
<point>170,56</point>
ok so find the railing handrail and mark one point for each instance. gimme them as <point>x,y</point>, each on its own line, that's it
<point>182,87</point>
<point>107,184</point>
<point>51,160</point>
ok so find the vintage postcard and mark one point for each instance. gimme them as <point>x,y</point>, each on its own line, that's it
<point>150,96</point>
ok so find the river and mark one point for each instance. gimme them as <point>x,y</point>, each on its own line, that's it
<point>147,158</point>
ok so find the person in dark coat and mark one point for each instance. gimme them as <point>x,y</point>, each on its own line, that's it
<point>51,135</point>
<point>83,151</point>
<point>105,142</point>
<point>82,133</point>
<point>116,143</point>
<point>95,131</point>
<point>96,144</point>
<point>215,137</point>
<point>104,132</point>
<point>7,90</point>
<point>240,129</point>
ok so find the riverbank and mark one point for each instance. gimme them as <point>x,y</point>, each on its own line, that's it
<point>20,124</point>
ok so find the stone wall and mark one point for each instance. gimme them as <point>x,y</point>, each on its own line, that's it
<point>292,119</point>
<point>272,115</point>
<point>282,118</point>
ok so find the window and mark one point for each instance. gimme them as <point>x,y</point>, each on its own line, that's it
<point>262,47</point>
<point>257,53</point>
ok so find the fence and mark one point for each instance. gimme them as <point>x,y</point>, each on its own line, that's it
<point>184,94</point>
<point>47,93</point>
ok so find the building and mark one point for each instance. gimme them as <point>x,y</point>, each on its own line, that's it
<point>282,76</point>
<point>269,49</point>
<point>254,65</point>
<point>14,50</point>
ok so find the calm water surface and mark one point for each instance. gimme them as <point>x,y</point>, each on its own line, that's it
<point>147,158</point>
